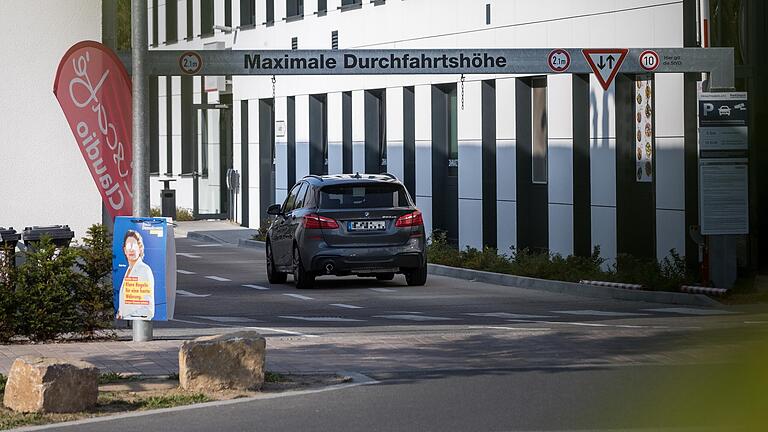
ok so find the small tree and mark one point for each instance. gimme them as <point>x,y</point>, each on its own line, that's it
<point>94,296</point>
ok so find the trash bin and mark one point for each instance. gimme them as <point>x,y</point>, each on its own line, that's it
<point>168,199</point>
<point>8,240</point>
<point>61,235</point>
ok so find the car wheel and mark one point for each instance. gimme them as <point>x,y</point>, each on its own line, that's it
<point>273,276</point>
<point>385,276</point>
<point>303,278</point>
<point>417,276</point>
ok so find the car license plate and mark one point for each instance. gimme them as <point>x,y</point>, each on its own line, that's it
<point>379,225</point>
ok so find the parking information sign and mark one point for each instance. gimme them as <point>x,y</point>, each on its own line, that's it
<point>723,121</point>
<point>723,163</point>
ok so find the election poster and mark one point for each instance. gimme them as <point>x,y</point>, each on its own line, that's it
<point>144,269</point>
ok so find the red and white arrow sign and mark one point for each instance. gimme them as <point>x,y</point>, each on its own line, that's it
<point>605,63</point>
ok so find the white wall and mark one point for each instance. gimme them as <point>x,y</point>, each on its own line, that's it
<point>43,176</point>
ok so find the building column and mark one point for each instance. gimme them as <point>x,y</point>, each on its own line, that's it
<point>560,160</point>
<point>358,131</point>
<point>602,158</point>
<point>395,161</point>
<point>470,140</point>
<point>506,165</point>
<point>423,125</point>
<point>335,134</point>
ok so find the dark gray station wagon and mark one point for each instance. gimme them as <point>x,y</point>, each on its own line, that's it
<point>362,224</point>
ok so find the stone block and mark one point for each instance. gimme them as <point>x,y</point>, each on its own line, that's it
<point>44,384</point>
<point>233,361</point>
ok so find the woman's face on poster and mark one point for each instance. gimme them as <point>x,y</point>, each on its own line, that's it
<point>132,249</point>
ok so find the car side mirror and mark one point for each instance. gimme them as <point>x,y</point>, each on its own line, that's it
<point>275,210</point>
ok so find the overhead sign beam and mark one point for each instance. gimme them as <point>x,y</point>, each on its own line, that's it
<point>718,62</point>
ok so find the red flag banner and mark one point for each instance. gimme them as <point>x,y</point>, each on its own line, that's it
<point>94,91</point>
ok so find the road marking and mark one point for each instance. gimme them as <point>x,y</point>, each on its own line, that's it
<point>582,324</point>
<point>382,290</point>
<point>188,322</point>
<point>598,313</point>
<point>208,245</point>
<point>185,272</point>
<point>691,311</point>
<point>322,319</point>
<point>256,287</point>
<point>225,319</point>
<point>187,255</point>
<point>218,279</point>
<point>293,333</point>
<point>346,306</point>
<point>520,328</point>
<point>189,294</point>
<point>507,315</point>
<point>415,317</point>
<point>299,296</point>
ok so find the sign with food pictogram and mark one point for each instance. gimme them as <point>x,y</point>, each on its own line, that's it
<point>644,130</point>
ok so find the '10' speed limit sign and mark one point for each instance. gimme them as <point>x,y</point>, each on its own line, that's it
<point>649,60</point>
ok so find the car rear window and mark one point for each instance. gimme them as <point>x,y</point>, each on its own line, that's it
<point>357,196</point>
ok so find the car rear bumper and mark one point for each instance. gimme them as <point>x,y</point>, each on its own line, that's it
<point>366,260</point>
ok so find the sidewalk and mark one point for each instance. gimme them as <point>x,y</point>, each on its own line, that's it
<point>214,231</point>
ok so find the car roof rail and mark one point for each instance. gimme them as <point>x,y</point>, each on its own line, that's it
<point>314,176</point>
<point>392,176</point>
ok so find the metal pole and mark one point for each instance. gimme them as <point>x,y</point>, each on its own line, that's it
<point>142,330</point>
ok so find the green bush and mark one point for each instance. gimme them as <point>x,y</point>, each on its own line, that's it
<point>182,214</point>
<point>261,232</point>
<point>667,275</point>
<point>45,292</point>
<point>3,380</point>
<point>59,290</point>
<point>7,295</point>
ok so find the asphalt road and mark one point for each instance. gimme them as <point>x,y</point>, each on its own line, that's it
<point>452,355</point>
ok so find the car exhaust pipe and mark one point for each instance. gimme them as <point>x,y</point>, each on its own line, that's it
<point>329,268</point>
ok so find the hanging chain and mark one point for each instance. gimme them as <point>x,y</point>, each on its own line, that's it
<point>462,91</point>
<point>274,80</point>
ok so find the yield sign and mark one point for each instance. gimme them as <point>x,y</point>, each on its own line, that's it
<point>605,63</point>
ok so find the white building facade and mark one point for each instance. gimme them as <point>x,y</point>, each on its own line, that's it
<point>542,162</point>
<point>43,178</point>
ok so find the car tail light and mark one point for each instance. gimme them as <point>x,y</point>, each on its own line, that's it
<point>314,221</point>
<point>409,220</point>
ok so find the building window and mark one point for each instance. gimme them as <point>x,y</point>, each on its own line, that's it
<point>270,12</point>
<point>335,39</point>
<point>294,43</point>
<point>247,13</point>
<point>171,21</point>
<point>350,4</point>
<point>322,7</point>
<point>206,17</point>
<point>294,8</point>
<point>154,23</point>
<point>539,130</point>
<point>190,20</point>
<point>228,13</point>
<point>378,2</point>
<point>487,13</point>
